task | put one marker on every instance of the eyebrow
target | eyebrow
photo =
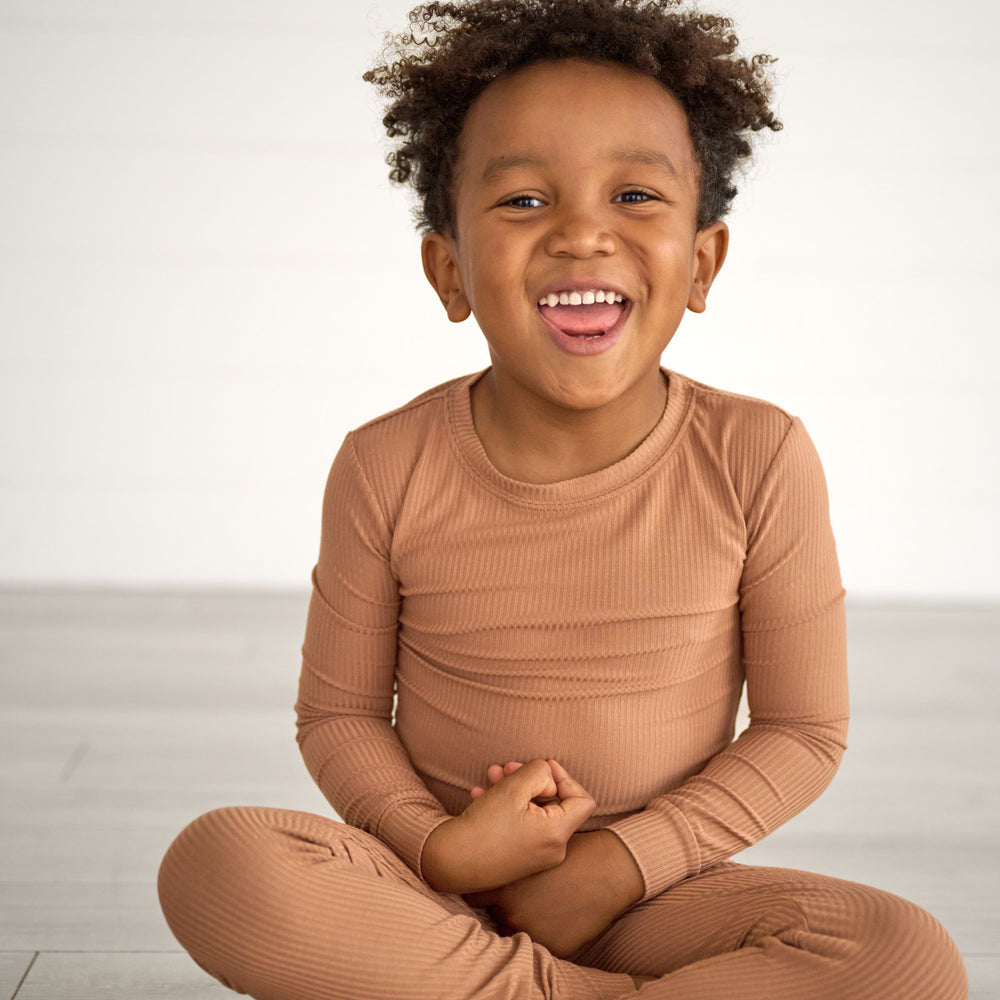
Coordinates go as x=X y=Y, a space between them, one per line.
x=647 y=157
x=500 y=165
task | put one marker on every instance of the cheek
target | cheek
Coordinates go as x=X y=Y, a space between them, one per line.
x=493 y=278
x=670 y=271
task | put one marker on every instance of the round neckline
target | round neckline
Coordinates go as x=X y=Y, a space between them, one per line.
x=581 y=489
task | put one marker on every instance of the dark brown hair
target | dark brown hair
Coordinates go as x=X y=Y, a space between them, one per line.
x=431 y=75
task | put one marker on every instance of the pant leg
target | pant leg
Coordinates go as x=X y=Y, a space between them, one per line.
x=756 y=933
x=291 y=906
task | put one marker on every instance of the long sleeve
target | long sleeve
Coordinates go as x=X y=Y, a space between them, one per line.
x=347 y=684
x=794 y=657
x=460 y=618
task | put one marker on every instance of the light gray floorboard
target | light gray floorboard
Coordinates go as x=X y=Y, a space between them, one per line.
x=984 y=977
x=123 y=716
x=87 y=916
x=13 y=966
x=117 y=976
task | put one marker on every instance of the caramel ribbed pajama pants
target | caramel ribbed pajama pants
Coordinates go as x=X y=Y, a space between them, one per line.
x=292 y=906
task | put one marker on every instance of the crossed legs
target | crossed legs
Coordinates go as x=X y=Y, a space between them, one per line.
x=740 y=931
x=291 y=906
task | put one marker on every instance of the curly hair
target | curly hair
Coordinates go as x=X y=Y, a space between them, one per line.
x=432 y=74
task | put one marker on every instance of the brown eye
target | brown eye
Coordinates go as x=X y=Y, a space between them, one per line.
x=634 y=197
x=524 y=201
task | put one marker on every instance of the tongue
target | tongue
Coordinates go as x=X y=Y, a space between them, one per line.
x=577 y=320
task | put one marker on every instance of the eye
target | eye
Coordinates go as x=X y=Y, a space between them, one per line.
x=634 y=197
x=523 y=201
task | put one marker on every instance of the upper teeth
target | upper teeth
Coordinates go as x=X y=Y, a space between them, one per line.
x=587 y=298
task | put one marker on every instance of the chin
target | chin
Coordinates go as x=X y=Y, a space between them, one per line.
x=583 y=397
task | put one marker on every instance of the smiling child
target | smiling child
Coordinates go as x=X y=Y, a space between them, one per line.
x=542 y=587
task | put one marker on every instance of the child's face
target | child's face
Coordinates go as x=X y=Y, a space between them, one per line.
x=575 y=177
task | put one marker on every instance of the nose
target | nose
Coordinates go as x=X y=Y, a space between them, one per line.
x=579 y=231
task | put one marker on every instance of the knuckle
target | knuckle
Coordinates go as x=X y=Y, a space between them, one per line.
x=559 y=854
x=555 y=844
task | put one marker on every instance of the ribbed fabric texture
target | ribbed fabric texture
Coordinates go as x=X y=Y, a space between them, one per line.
x=607 y=621
x=459 y=618
x=289 y=906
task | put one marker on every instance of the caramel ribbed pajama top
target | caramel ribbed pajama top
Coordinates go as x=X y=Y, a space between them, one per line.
x=460 y=618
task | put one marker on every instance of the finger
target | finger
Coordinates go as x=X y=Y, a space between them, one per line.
x=477 y=791
x=558 y=771
x=568 y=815
x=496 y=773
x=575 y=802
x=568 y=787
x=531 y=781
x=511 y=766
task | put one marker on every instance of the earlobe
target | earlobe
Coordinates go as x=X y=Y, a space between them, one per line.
x=711 y=245
x=441 y=268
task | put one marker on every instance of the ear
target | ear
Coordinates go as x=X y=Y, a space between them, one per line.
x=710 y=246
x=440 y=256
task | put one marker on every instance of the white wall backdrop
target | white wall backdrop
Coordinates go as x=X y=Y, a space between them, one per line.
x=205 y=281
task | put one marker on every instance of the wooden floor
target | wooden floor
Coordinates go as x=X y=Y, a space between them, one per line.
x=124 y=716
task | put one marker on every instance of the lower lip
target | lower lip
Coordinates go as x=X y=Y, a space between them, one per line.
x=586 y=346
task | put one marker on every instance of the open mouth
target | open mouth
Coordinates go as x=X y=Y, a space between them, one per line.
x=587 y=315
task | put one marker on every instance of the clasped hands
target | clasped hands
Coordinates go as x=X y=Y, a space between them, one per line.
x=516 y=851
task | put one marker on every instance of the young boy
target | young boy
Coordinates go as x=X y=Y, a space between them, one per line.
x=541 y=588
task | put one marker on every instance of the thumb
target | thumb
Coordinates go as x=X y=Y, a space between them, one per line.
x=574 y=801
x=533 y=780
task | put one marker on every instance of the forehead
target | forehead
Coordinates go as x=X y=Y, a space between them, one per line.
x=571 y=109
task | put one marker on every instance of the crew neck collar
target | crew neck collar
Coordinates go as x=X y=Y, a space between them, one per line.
x=581 y=489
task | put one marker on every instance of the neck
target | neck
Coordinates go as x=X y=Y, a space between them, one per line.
x=534 y=441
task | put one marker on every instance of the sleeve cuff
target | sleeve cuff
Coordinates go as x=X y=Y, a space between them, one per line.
x=663 y=846
x=406 y=827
